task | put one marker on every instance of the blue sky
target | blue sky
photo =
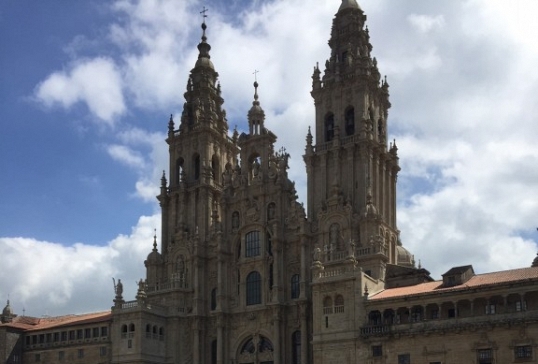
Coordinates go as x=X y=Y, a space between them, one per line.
x=86 y=89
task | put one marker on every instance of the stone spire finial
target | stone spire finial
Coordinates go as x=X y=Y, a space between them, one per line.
x=155 y=240
x=349 y=4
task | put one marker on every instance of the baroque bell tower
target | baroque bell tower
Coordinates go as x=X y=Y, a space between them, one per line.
x=351 y=171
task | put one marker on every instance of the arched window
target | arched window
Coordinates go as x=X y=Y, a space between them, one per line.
x=254 y=289
x=329 y=127
x=196 y=165
x=265 y=345
x=161 y=333
x=123 y=328
x=179 y=169
x=327 y=305
x=252 y=244
x=215 y=170
x=296 y=347
x=148 y=331
x=154 y=330
x=131 y=328
x=339 y=304
x=271 y=211
x=214 y=352
x=295 y=286
x=374 y=318
x=213 y=299
x=248 y=347
x=350 y=121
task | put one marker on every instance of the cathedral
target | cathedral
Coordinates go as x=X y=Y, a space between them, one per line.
x=244 y=274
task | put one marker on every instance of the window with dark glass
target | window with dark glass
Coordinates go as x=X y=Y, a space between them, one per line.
x=254 y=292
x=296 y=347
x=523 y=352
x=404 y=359
x=95 y=332
x=485 y=356
x=213 y=299
x=61 y=355
x=104 y=331
x=295 y=286
x=350 y=121
x=377 y=350
x=102 y=351
x=196 y=162
x=80 y=334
x=252 y=244
x=80 y=353
x=87 y=333
x=329 y=127
x=56 y=337
x=214 y=352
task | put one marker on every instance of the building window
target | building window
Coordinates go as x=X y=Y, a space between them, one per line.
x=38 y=357
x=377 y=350
x=95 y=332
x=213 y=299
x=196 y=162
x=327 y=305
x=104 y=331
x=485 y=356
x=61 y=355
x=87 y=333
x=254 y=292
x=252 y=244
x=490 y=309
x=56 y=337
x=451 y=312
x=295 y=286
x=404 y=359
x=329 y=127
x=339 y=304
x=296 y=347
x=350 y=121
x=80 y=353
x=214 y=352
x=434 y=315
x=80 y=334
x=129 y=344
x=102 y=351
x=523 y=352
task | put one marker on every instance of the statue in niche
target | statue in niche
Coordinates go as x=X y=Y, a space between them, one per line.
x=271 y=210
x=334 y=237
x=256 y=168
x=235 y=220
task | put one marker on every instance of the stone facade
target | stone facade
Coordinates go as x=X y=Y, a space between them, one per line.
x=244 y=274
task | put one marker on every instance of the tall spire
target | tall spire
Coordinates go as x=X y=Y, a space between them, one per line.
x=256 y=115
x=203 y=46
x=349 y=4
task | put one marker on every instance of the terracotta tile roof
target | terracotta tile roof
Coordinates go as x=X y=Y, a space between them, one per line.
x=27 y=323
x=479 y=280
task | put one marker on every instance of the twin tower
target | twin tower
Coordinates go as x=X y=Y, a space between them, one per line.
x=243 y=273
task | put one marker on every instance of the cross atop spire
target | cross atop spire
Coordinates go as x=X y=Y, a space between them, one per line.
x=203 y=12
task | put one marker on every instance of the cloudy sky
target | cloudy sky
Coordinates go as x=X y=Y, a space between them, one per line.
x=86 y=89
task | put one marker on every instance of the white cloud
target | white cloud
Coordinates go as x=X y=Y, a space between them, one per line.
x=125 y=155
x=96 y=82
x=58 y=279
x=426 y=23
